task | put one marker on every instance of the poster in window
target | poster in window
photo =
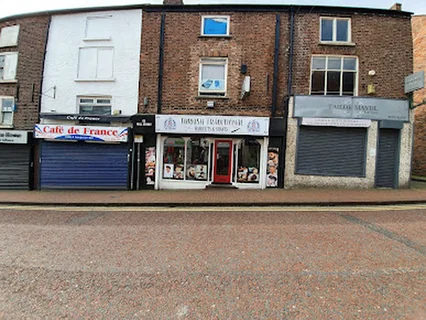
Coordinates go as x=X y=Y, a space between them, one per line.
x=178 y=172
x=272 y=168
x=168 y=170
x=150 y=165
x=201 y=172
x=190 y=172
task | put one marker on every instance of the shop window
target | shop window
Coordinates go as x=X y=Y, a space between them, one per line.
x=334 y=75
x=7 y=106
x=9 y=36
x=197 y=158
x=214 y=26
x=272 y=168
x=98 y=28
x=96 y=63
x=335 y=30
x=94 y=105
x=213 y=74
x=174 y=158
x=248 y=161
x=8 y=63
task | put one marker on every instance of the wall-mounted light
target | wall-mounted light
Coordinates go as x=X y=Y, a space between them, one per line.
x=370 y=88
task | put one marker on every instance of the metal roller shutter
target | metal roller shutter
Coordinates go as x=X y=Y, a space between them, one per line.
x=331 y=151
x=83 y=166
x=14 y=166
x=387 y=158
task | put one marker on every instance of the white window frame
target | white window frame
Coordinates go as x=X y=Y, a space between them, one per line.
x=9 y=57
x=341 y=72
x=334 y=31
x=11 y=111
x=96 y=78
x=9 y=36
x=213 y=61
x=203 y=18
x=95 y=103
x=92 y=18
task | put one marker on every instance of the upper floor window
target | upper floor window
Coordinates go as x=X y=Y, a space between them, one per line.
x=8 y=63
x=96 y=63
x=335 y=30
x=9 y=36
x=334 y=75
x=215 y=26
x=7 y=106
x=98 y=28
x=213 y=73
x=94 y=105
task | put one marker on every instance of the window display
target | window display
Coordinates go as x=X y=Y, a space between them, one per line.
x=150 y=165
x=197 y=157
x=248 y=161
x=174 y=153
x=272 y=168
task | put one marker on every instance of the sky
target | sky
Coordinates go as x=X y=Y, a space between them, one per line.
x=24 y=6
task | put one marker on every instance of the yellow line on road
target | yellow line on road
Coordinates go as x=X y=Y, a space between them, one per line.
x=217 y=209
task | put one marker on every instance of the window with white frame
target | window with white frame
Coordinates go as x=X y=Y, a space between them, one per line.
x=95 y=105
x=9 y=36
x=335 y=30
x=8 y=63
x=7 y=107
x=213 y=73
x=95 y=63
x=215 y=26
x=334 y=75
x=98 y=28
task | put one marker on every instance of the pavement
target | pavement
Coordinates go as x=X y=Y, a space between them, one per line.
x=219 y=197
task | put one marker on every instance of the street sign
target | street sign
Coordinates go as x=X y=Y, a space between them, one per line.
x=414 y=81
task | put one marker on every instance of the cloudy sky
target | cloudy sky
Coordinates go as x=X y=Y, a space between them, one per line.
x=24 y=6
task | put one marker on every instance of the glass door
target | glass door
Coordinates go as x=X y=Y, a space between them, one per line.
x=223 y=158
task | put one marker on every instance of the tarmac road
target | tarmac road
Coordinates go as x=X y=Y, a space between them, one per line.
x=213 y=263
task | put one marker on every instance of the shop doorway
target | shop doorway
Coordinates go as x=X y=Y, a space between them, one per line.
x=223 y=161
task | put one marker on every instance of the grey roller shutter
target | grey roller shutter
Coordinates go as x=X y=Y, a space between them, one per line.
x=387 y=158
x=14 y=166
x=330 y=151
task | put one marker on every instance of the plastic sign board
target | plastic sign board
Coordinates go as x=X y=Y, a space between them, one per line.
x=62 y=132
x=414 y=82
x=13 y=136
x=335 y=122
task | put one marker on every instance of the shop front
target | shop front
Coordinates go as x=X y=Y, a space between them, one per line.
x=83 y=157
x=198 y=151
x=15 y=160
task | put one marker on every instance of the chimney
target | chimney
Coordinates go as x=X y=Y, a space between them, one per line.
x=173 y=2
x=396 y=7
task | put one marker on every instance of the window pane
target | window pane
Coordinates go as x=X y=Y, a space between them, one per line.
x=215 y=26
x=248 y=161
x=103 y=101
x=84 y=100
x=334 y=63
x=326 y=30
x=8 y=118
x=333 y=83
x=349 y=63
x=318 y=82
x=349 y=83
x=213 y=77
x=197 y=157
x=174 y=158
x=7 y=105
x=86 y=109
x=342 y=30
x=318 y=63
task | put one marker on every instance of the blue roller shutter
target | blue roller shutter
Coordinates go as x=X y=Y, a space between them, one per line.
x=14 y=166
x=83 y=166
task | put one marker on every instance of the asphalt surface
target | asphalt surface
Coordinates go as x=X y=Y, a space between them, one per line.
x=213 y=263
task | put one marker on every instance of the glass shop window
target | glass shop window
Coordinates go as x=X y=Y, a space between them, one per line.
x=248 y=161
x=197 y=158
x=174 y=158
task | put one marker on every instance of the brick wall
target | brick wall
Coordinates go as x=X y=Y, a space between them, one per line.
x=252 y=43
x=31 y=44
x=419 y=40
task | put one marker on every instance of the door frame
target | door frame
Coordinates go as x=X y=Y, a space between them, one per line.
x=228 y=177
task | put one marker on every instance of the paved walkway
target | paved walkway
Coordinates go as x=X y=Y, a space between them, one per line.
x=215 y=197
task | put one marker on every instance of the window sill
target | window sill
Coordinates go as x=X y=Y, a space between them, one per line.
x=97 y=39
x=95 y=80
x=11 y=126
x=9 y=81
x=341 y=44
x=202 y=36
x=211 y=97
x=8 y=45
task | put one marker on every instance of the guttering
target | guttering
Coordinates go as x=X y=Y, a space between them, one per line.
x=160 y=65
x=276 y=59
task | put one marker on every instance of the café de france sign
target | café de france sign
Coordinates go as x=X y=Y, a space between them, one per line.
x=218 y=125
x=351 y=108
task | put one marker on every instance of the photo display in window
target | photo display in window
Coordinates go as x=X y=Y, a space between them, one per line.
x=174 y=155
x=248 y=161
x=150 y=165
x=197 y=154
x=272 y=168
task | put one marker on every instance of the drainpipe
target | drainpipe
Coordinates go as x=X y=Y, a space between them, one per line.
x=276 y=57
x=160 y=65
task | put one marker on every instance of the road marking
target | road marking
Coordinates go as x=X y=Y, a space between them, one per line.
x=218 y=209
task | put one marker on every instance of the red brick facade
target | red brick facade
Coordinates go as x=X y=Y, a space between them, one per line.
x=419 y=40
x=30 y=48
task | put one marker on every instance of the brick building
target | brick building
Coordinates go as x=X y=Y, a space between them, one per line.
x=419 y=152
x=22 y=43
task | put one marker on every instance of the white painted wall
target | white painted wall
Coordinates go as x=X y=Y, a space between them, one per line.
x=66 y=36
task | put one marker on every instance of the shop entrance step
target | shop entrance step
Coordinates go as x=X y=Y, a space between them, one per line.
x=221 y=186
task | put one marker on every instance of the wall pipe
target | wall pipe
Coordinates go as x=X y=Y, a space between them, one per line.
x=276 y=58
x=160 y=65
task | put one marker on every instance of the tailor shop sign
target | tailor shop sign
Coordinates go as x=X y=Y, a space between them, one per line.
x=86 y=133
x=217 y=125
x=13 y=136
x=351 y=108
